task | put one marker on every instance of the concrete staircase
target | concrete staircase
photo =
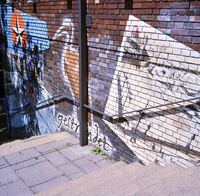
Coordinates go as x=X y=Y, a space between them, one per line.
x=133 y=179
x=28 y=166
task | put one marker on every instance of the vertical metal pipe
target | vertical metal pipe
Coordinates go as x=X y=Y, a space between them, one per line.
x=83 y=71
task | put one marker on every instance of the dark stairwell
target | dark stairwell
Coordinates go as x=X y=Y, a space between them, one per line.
x=4 y=132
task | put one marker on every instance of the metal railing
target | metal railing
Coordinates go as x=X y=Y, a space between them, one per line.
x=60 y=98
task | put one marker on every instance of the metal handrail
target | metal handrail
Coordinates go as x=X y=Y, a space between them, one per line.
x=56 y=100
x=110 y=118
x=141 y=112
x=44 y=104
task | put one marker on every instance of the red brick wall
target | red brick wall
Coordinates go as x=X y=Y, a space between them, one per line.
x=174 y=28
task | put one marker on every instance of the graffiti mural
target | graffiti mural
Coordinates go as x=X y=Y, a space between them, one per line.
x=69 y=57
x=27 y=44
x=154 y=69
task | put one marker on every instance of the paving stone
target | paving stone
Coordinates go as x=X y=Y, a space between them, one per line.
x=49 y=184
x=72 y=139
x=38 y=173
x=30 y=175
x=14 y=158
x=56 y=158
x=22 y=156
x=71 y=154
x=104 y=163
x=3 y=162
x=76 y=175
x=81 y=162
x=39 y=168
x=82 y=150
x=89 y=168
x=7 y=175
x=69 y=169
x=52 y=146
x=45 y=148
x=30 y=153
x=28 y=163
x=93 y=157
x=17 y=188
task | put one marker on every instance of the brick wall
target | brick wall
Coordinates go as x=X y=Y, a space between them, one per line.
x=140 y=57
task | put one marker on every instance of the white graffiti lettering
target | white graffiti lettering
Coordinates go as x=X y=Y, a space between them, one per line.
x=94 y=136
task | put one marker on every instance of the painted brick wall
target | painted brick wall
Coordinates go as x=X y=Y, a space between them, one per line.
x=139 y=58
x=151 y=54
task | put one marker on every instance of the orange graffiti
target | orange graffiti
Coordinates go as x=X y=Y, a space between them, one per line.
x=19 y=36
x=71 y=70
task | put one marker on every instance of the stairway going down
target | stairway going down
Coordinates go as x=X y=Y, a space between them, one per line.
x=55 y=164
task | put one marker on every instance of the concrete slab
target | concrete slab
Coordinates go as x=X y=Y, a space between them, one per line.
x=17 y=188
x=19 y=145
x=22 y=156
x=56 y=158
x=104 y=163
x=39 y=163
x=7 y=175
x=28 y=163
x=82 y=162
x=69 y=169
x=71 y=154
x=51 y=183
x=90 y=167
x=3 y=162
x=39 y=173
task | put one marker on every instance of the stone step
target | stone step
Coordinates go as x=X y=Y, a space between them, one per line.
x=135 y=182
x=116 y=180
x=19 y=145
x=182 y=182
x=129 y=173
x=99 y=176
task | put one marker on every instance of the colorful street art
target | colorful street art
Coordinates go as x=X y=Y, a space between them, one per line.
x=69 y=59
x=154 y=69
x=68 y=120
x=28 y=42
x=148 y=70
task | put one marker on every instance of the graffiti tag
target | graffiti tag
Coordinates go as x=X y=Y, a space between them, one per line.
x=70 y=123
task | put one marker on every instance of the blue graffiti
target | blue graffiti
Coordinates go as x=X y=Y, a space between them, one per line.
x=27 y=44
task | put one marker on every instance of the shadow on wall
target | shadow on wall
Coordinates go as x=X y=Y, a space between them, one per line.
x=150 y=73
x=120 y=149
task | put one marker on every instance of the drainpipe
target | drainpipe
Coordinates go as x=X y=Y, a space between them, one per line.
x=83 y=72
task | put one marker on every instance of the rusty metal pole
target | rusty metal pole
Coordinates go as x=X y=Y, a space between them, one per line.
x=83 y=71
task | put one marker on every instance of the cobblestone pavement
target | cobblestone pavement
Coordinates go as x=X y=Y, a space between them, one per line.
x=37 y=167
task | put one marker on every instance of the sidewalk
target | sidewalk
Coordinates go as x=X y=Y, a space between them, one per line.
x=39 y=163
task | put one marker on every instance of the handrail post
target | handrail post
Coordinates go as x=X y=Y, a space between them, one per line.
x=83 y=72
